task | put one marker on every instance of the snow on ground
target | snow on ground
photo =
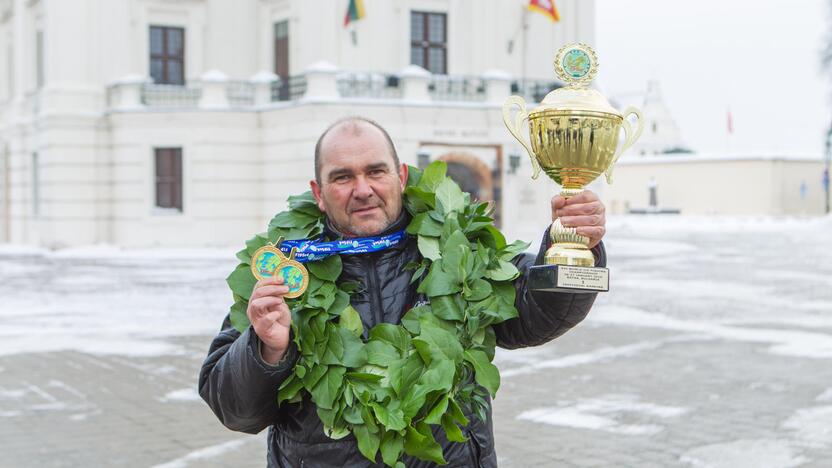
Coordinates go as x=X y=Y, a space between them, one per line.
x=744 y=454
x=604 y=413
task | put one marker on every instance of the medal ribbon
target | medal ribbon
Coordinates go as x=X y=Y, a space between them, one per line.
x=312 y=250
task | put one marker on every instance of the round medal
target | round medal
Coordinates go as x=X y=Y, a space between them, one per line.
x=294 y=275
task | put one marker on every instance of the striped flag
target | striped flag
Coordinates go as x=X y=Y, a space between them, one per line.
x=545 y=7
x=355 y=11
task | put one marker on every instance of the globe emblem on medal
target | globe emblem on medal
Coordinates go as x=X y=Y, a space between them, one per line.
x=292 y=277
x=267 y=263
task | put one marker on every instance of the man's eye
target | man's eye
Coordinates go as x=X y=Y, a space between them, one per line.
x=377 y=172
x=341 y=178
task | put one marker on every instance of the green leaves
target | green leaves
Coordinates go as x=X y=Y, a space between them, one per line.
x=429 y=247
x=405 y=381
x=486 y=373
x=327 y=269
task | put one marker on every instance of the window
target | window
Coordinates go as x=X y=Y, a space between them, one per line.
x=169 y=178
x=281 y=57
x=428 y=41
x=167 y=55
x=39 y=71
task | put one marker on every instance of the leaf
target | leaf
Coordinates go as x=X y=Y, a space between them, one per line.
x=439 y=283
x=327 y=269
x=350 y=320
x=289 y=388
x=447 y=307
x=242 y=281
x=434 y=416
x=391 y=334
x=456 y=412
x=437 y=344
x=424 y=225
x=429 y=247
x=392 y=419
x=368 y=442
x=405 y=372
x=239 y=318
x=381 y=353
x=452 y=431
x=449 y=196
x=503 y=271
x=291 y=220
x=327 y=390
x=314 y=376
x=419 y=442
x=392 y=445
x=433 y=175
x=478 y=290
x=486 y=373
x=512 y=250
x=497 y=240
x=340 y=304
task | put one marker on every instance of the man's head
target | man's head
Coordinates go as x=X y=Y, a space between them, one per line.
x=358 y=178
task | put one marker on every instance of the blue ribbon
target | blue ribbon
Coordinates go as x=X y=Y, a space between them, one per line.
x=313 y=250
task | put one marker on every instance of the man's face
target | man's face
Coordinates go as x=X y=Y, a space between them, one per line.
x=361 y=188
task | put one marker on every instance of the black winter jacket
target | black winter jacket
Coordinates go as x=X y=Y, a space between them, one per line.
x=241 y=388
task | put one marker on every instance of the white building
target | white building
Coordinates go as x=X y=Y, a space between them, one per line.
x=145 y=122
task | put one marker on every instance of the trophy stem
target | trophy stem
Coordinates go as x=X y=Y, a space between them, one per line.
x=570 y=192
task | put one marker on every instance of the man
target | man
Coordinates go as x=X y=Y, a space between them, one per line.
x=358 y=185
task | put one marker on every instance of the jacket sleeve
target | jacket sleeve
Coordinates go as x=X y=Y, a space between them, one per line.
x=238 y=385
x=544 y=316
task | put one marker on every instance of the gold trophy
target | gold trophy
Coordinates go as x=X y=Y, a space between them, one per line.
x=574 y=136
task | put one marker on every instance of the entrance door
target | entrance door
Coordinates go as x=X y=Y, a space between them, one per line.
x=281 y=57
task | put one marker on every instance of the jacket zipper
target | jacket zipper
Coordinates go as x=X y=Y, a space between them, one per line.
x=375 y=293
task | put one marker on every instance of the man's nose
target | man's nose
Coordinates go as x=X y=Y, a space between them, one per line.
x=363 y=189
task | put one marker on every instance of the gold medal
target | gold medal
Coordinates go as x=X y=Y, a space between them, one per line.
x=268 y=261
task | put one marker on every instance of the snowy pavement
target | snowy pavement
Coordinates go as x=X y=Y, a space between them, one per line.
x=713 y=348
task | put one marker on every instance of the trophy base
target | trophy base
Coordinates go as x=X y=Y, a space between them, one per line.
x=571 y=279
x=569 y=253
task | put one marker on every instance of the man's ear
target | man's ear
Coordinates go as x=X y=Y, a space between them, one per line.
x=403 y=175
x=316 y=192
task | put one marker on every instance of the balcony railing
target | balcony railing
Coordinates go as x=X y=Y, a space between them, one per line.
x=215 y=91
x=456 y=88
x=170 y=96
x=289 y=90
x=368 y=85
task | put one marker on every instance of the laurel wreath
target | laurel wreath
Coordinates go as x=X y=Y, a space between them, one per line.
x=389 y=388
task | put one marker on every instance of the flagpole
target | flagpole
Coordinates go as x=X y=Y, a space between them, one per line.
x=525 y=35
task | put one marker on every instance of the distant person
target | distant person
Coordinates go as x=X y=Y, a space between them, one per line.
x=358 y=185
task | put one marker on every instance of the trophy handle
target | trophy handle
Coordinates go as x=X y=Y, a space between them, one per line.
x=514 y=124
x=630 y=137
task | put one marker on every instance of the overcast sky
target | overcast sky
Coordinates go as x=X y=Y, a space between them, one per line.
x=760 y=58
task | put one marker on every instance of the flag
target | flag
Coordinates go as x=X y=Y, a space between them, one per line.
x=730 y=123
x=355 y=11
x=546 y=7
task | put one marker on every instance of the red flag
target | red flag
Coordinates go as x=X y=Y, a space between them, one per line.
x=545 y=7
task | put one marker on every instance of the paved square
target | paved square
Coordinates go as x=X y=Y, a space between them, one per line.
x=712 y=349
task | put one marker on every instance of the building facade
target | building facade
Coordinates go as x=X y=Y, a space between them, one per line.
x=189 y=122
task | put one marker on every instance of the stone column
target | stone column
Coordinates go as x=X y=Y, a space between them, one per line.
x=126 y=92
x=497 y=86
x=214 y=95
x=263 y=82
x=320 y=82
x=415 y=80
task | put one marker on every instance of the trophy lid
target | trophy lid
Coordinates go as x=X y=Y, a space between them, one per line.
x=576 y=65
